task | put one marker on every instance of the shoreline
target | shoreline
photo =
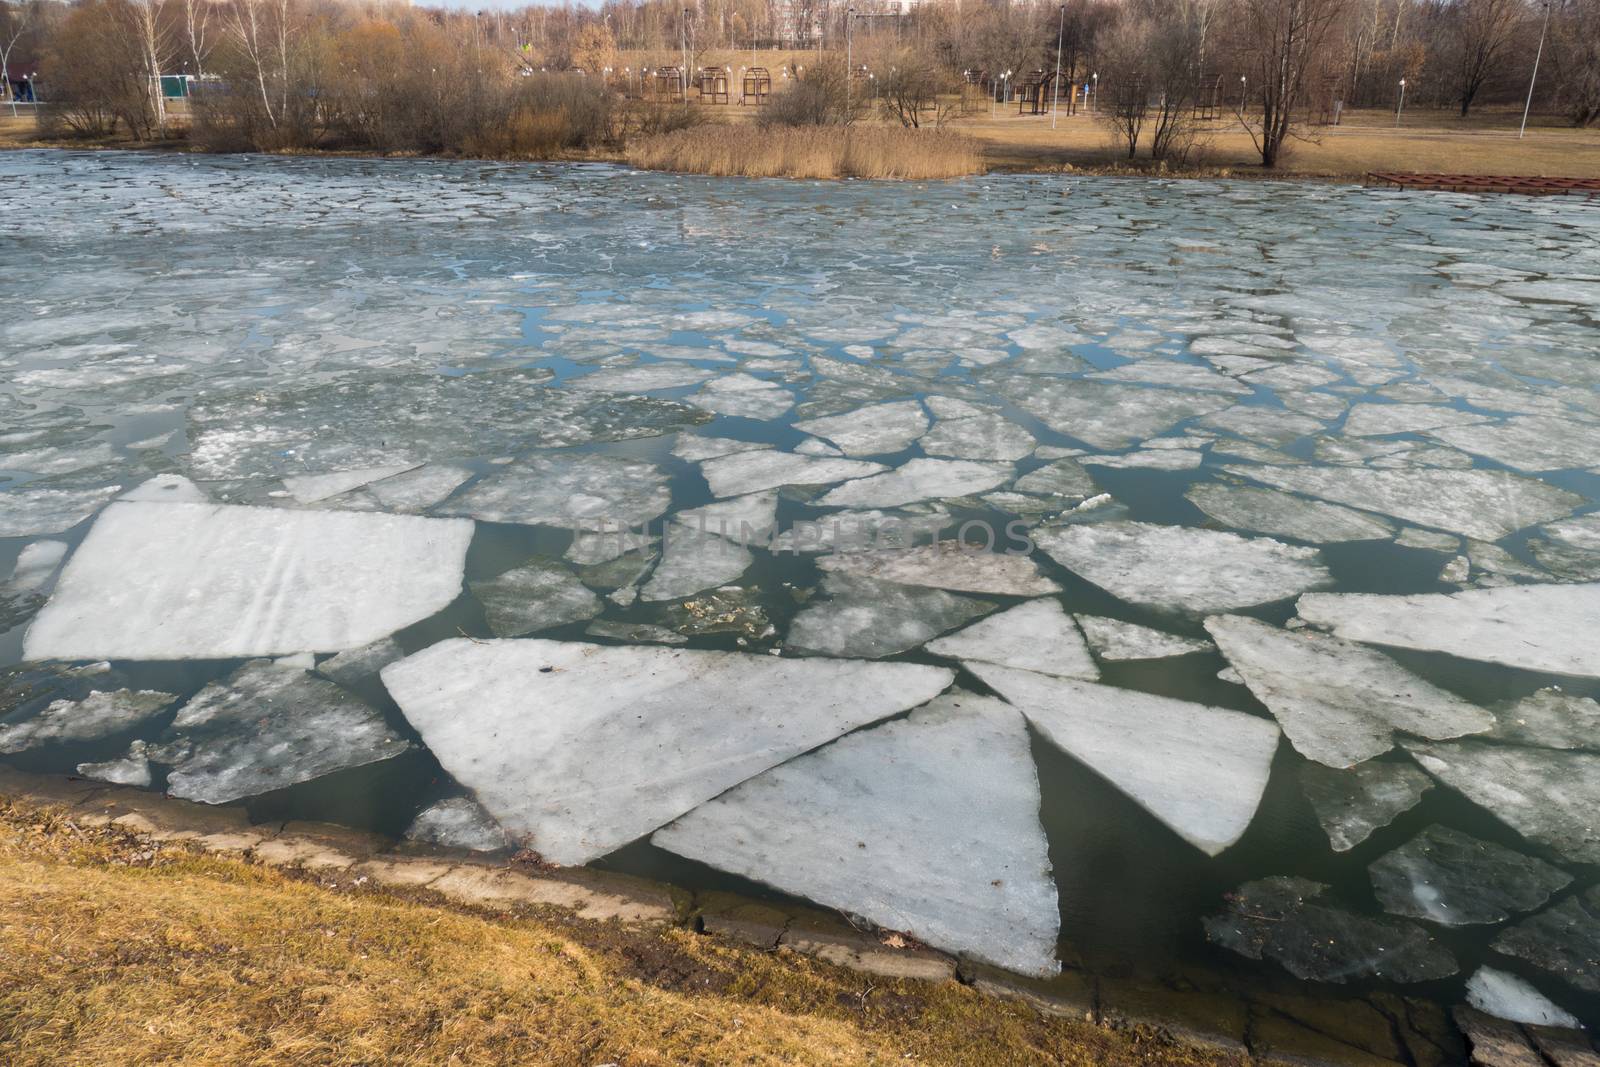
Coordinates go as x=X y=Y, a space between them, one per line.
x=750 y=947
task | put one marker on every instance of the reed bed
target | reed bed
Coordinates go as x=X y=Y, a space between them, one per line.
x=811 y=152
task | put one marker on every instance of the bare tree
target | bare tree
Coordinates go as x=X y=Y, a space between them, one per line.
x=247 y=27
x=196 y=24
x=1282 y=44
x=911 y=87
x=1480 y=32
x=1575 y=59
x=150 y=33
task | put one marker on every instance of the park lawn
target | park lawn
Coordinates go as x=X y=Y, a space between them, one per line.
x=118 y=950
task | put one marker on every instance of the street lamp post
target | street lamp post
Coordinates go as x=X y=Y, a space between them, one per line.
x=1401 y=106
x=1241 y=96
x=1094 y=101
x=849 y=57
x=1536 y=57
x=1061 y=29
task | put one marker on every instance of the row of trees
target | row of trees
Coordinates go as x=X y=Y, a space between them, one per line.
x=287 y=73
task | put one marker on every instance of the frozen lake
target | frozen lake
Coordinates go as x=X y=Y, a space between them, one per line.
x=1272 y=648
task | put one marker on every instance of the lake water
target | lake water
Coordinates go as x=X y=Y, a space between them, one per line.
x=1164 y=402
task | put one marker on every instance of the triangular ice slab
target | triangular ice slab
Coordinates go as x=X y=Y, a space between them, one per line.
x=928 y=824
x=1536 y=627
x=577 y=749
x=1338 y=702
x=310 y=488
x=1201 y=770
x=1036 y=636
x=1117 y=639
x=203 y=581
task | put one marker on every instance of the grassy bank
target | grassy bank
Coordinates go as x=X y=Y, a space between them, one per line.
x=810 y=152
x=118 y=950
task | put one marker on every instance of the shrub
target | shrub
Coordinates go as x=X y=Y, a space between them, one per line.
x=817 y=152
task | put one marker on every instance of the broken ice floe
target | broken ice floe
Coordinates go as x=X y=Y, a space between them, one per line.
x=635 y=632
x=578 y=749
x=413 y=491
x=98 y=714
x=1454 y=879
x=1200 y=770
x=1106 y=415
x=983 y=436
x=133 y=768
x=744 y=520
x=1284 y=515
x=751 y=472
x=198 y=581
x=744 y=395
x=1035 y=636
x=918 y=479
x=1550 y=719
x=384 y=419
x=266 y=727
x=1547 y=796
x=1570 y=548
x=167 y=489
x=1529 y=442
x=874 y=430
x=354 y=664
x=1339 y=703
x=1484 y=504
x=1353 y=803
x=1505 y=996
x=692 y=561
x=1535 y=627
x=1115 y=639
x=1159 y=459
x=1178 y=568
x=946 y=565
x=860 y=531
x=537 y=595
x=732 y=609
x=1563 y=940
x=574 y=491
x=458 y=823
x=861 y=617
x=1286 y=919
x=1064 y=477
x=927 y=825
x=28 y=512
x=694 y=448
x=310 y=488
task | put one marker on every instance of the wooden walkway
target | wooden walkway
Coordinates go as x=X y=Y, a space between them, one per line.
x=1486 y=183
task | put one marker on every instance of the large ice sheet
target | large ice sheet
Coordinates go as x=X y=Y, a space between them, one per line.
x=199 y=581
x=1284 y=515
x=1529 y=442
x=577 y=749
x=1339 y=703
x=1035 y=636
x=1484 y=504
x=1563 y=940
x=692 y=561
x=927 y=825
x=1183 y=569
x=268 y=726
x=1107 y=415
x=1547 y=796
x=1535 y=627
x=1200 y=770
x=575 y=491
x=945 y=565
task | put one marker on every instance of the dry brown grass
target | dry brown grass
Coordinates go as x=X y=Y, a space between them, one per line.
x=811 y=152
x=114 y=950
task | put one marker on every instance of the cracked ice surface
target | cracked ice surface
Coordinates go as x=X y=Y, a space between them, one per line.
x=196 y=581
x=577 y=749
x=927 y=825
